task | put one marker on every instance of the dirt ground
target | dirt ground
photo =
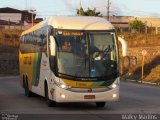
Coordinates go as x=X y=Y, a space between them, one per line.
x=9 y=63
x=9 y=55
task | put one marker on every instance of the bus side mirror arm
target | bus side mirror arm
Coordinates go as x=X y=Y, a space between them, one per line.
x=124 y=46
x=52 y=46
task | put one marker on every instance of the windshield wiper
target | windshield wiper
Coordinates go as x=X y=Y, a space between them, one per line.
x=67 y=76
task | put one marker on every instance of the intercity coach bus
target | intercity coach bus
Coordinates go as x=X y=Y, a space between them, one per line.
x=70 y=59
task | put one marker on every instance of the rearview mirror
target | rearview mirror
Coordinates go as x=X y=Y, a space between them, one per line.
x=124 y=46
x=52 y=46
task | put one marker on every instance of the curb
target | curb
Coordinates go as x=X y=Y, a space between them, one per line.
x=142 y=82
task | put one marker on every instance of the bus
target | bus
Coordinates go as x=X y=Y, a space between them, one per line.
x=70 y=59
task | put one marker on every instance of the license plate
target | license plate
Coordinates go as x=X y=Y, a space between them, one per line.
x=89 y=97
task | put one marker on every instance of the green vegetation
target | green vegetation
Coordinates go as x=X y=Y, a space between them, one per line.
x=137 y=26
x=88 y=12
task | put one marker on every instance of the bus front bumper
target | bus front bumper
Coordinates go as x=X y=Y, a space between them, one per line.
x=63 y=95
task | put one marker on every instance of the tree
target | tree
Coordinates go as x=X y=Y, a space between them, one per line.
x=80 y=11
x=137 y=25
x=88 y=12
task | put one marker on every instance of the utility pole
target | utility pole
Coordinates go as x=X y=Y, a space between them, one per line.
x=26 y=5
x=32 y=12
x=108 y=10
x=32 y=20
x=80 y=7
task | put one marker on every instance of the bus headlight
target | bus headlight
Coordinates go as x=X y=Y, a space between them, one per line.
x=63 y=96
x=63 y=86
x=115 y=84
x=114 y=95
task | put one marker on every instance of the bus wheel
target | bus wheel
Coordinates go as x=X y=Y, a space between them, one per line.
x=26 y=88
x=100 y=104
x=50 y=103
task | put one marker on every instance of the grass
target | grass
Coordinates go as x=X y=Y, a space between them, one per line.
x=9 y=43
x=152 y=68
x=141 y=39
x=9 y=46
x=9 y=39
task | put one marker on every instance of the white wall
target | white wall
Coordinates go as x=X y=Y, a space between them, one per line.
x=13 y=17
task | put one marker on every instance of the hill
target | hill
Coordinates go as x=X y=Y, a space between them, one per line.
x=136 y=43
x=9 y=40
x=141 y=39
x=9 y=45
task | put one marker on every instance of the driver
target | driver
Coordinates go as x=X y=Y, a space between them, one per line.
x=66 y=46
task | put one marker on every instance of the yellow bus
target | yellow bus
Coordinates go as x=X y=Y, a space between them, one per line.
x=70 y=59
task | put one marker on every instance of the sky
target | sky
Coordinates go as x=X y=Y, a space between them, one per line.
x=46 y=8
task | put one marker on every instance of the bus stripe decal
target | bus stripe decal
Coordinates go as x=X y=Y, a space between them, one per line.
x=36 y=69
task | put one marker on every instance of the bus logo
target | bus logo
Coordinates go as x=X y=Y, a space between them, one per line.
x=90 y=90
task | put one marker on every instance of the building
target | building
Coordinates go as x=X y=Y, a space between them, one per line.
x=10 y=17
x=152 y=22
x=122 y=22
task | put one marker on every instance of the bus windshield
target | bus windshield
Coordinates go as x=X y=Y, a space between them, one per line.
x=87 y=54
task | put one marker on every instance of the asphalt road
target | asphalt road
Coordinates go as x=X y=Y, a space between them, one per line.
x=134 y=99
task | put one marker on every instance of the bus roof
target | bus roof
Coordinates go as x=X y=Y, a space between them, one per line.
x=73 y=23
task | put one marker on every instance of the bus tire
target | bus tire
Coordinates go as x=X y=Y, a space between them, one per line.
x=23 y=81
x=100 y=104
x=26 y=88
x=50 y=103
